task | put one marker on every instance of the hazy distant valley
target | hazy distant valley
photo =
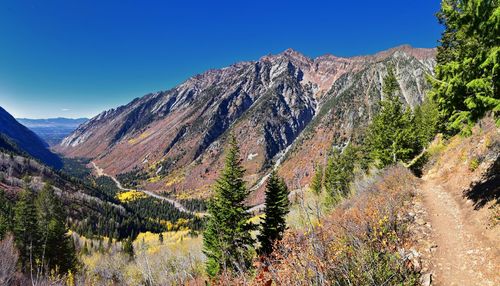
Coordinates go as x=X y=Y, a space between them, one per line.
x=52 y=130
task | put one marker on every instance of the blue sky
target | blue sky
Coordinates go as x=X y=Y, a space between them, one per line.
x=77 y=58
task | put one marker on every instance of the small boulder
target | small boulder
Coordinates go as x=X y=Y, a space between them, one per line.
x=426 y=279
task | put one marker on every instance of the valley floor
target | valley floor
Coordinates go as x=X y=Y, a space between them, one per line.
x=176 y=204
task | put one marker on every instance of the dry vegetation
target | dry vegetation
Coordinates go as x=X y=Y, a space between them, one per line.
x=364 y=241
x=175 y=261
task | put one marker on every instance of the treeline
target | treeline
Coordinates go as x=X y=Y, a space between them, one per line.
x=194 y=205
x=155 y=210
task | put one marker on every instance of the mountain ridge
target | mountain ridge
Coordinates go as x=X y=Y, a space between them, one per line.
x=177 y=136
x=27 y=140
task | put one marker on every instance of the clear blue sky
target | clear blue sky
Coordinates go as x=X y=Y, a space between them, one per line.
x=77 y=58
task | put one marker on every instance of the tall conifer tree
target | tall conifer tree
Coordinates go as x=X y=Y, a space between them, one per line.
x=276 y=209
x=467 y=74
x=390 y=136
x=56 y=246
x=228 y=244
x=26 y=229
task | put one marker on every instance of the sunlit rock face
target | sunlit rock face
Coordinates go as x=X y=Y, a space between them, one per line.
x=285 y=109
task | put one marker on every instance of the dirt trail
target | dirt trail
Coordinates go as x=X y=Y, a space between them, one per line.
x=465 y=255
x=100 y=172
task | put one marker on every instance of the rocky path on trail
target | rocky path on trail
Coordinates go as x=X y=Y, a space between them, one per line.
x=461 y=253
x=176 y=204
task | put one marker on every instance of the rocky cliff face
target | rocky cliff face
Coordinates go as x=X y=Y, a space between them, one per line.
x=284 y=108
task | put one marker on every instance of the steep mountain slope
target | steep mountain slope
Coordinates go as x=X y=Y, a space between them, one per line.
x=25 y=140
x=177 y=137
x=52 y=130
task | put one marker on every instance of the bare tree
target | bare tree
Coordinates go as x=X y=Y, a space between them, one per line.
x=8 y=260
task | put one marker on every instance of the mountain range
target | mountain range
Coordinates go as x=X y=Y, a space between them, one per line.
x=286 y=110
x=52 y=130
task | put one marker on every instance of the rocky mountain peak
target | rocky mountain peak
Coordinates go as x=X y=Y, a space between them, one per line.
x=178 y=136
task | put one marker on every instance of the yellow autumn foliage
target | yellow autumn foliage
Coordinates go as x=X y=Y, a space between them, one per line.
x=130 y=196
x=139 y=138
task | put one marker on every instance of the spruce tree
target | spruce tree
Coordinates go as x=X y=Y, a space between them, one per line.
x=467 y=74
x=26 y=229
x=277 y=207
x=390 y=136
x=56 y=246
x=228 y=244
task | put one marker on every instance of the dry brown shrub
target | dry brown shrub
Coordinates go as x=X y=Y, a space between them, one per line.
x=358 y=243
x=8 y=260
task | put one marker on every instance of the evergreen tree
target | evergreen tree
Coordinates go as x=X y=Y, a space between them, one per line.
x=128 y=247
x=85 y=249
x=277 y=207
x=227 y=240
x=339 y=173
x=55 y=244
x=26 y=229
x=5 y=214
x=390 y=136
x=390 y=84
x=317 y=180
x=425 y=122
x=467 y=73
x=160 y=237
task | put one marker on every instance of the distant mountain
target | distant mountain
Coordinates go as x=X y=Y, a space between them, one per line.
x=52 y=130
x=20 y=138
x=286 y=110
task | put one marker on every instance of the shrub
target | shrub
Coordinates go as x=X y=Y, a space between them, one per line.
x=473 y=164
x=359 y=243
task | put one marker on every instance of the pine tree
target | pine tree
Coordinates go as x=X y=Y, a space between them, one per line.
x=467 y=73
x=317 y=180
x=55 y=244
x=26 y=229
x=390 y=136
x=227 y=240
x=276 y=208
